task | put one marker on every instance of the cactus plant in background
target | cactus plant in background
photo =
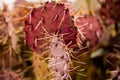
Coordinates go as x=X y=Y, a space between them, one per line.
x=8 y=75
x=91 y=28
x=110 y=11
x=8 y=44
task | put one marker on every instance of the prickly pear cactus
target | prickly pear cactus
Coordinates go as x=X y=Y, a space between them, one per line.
x=50 y=28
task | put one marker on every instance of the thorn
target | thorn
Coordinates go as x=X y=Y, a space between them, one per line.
x=28 y=14
x=25 y=70
x=45 y=38
x=45 y=31
x=82 y=48
x=77 y=11
x=64 y=34
x=52 y=60
x=36 y=42
x=82 y=74
x=116 y=45
x=79 y=42
x=45 y=52
x=30 y=27
x=62 y=19
x=65 y=67
x=30 y=18
x=69 y=35
x=81 y=70
x=70 y=77
x=55 y=18
x=79 y=62
x=110 y=63
x=83 y=54
x=81 y=16
x=83 y=25
x=38 y=39
x=74 y=57
x=117 y=51
x=69 y=43
x=74 y=68
x=81 y=34
x=57 y=63
x=31 y=4
x=88 y=43
x=98 y=35
x=39 y=23
x=54 y=6
x=45 y=59
x=45 y=44
x=91 y=26
x=49 y=74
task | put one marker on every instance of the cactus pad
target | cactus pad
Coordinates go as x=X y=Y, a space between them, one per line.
x=50 y=18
